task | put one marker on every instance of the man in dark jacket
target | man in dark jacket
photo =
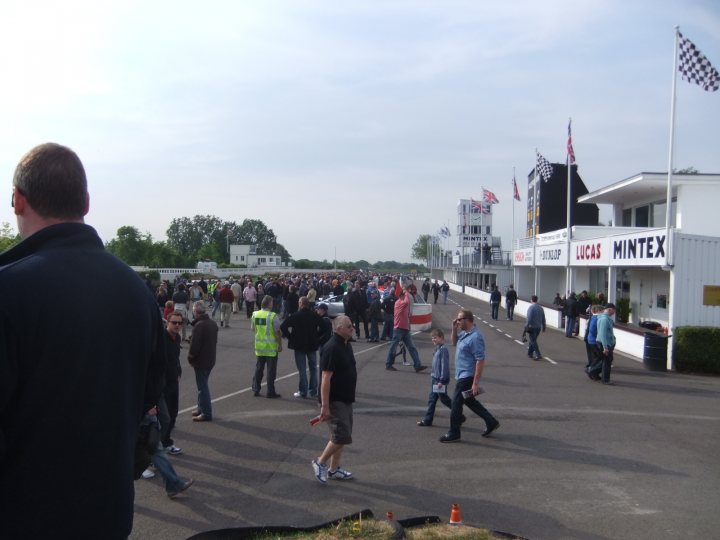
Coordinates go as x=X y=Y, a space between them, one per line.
x=169 y=402
x=201 y=357
x=357 y=309
x=510 y=302
x=495 y=298
x=302 y=330
x=64 y=374
x=571 y=313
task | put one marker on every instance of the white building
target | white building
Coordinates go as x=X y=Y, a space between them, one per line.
x=246 y=255
x=670 y=275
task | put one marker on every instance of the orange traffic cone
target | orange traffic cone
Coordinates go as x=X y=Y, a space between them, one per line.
x=455 y=517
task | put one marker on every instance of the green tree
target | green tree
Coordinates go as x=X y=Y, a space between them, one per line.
x=420 y=249
x=8 y=237
x=188 y=235
x=255 y=233
x=130 y=246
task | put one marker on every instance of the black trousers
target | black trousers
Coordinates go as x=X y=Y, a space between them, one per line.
x=170 y=401
x=271 y=363
x=456 y=413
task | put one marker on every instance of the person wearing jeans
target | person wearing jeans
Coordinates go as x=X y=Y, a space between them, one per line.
x=535 y=324
x=201 y=357
x=303 y=330
x=401 y=330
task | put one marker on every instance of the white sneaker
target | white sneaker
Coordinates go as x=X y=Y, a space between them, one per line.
x=321 y=471
x=147 y=474
x=298 y=395
x=340 y=474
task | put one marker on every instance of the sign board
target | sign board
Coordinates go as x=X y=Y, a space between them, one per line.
x=523 y=257
x=551 y=255
x=711 y=295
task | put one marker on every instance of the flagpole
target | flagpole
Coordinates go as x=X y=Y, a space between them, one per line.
x=482 y=229
x=534 y=226
x=568 y=279
x=512 y=238
x=668 y=208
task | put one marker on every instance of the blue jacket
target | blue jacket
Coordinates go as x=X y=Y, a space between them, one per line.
x=441 y=364
x=605 y=335
x=591 y=331
x=536 y=317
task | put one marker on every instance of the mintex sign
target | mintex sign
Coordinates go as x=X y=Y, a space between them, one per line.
x=636 y=249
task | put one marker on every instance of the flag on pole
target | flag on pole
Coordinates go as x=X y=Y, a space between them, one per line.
x=447 y=232
x=570 y=151
x=516 y=193
x=695 y=67
x=484 y=207
x=489 y=197
x=543 y=167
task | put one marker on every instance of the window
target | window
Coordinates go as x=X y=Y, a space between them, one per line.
x=627 y=217
x=642 y=216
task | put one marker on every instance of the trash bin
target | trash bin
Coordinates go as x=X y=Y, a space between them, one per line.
x=655 y=352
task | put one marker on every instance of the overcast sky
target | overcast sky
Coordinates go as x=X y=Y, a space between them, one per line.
x=346 y=127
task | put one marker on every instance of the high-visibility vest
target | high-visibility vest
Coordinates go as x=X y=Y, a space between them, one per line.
x=265 y=340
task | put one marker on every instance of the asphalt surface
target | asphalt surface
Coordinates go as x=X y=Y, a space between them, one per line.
x=572 y=458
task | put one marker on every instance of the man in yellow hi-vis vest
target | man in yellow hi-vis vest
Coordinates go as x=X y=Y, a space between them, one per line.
x=268 y=344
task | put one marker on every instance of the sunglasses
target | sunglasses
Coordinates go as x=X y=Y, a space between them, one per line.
x=175 y=322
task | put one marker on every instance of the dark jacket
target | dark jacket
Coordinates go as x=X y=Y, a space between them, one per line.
x=571 y=307
x=173 y=370
x=358 y=302
x=203 y=344
x=79 y=371
x=511 y=297
x=495 y=296
x=303 y=330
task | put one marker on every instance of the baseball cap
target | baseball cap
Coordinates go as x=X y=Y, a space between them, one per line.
x=610 y=305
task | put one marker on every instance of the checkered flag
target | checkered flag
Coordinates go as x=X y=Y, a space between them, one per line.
x=695 y=68
x=543 y=167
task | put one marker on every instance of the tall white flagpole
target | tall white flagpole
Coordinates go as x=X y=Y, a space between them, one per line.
x=534 y=222
x=512 y=239
x=568 y=279
x=668 y=209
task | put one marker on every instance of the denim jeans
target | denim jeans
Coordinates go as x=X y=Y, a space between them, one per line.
x=374 y=329
x=305 y=361
x=400 y=334
x=445 y=295
x=387 y=331
x=495 y=308
x=204 y=404
x=510 y=311
x=472 y=403
x=172 y=481
x=432 y=401
x=569 y=326
x=533 y=348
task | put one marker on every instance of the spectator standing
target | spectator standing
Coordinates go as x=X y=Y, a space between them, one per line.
x=181 y=303
x=268 y=344
x=250 y=297
x=388 y=307
x=302 y=330
x=66 y=374
x=511 y=299
x=606 y=340
x=226 y=298
x=201 y=356
x=435 y=290
x=445 y=291
x=170 y=400
x=495 y=298
x=235 y=288
x=571 y=313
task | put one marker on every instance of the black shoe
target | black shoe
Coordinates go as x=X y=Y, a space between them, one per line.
x=423 y=423
x=463 y=419
x=256 y=393
x=490 y=429
x=447 y=438
x=419 y=369
x=391 y=368
x=273 y=396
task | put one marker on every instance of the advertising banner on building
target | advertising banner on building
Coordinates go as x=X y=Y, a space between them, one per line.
x=523 y=257
x=552 y=255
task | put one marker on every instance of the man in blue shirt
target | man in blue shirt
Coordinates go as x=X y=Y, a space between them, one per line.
x=535 y=324
x=469 y=364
